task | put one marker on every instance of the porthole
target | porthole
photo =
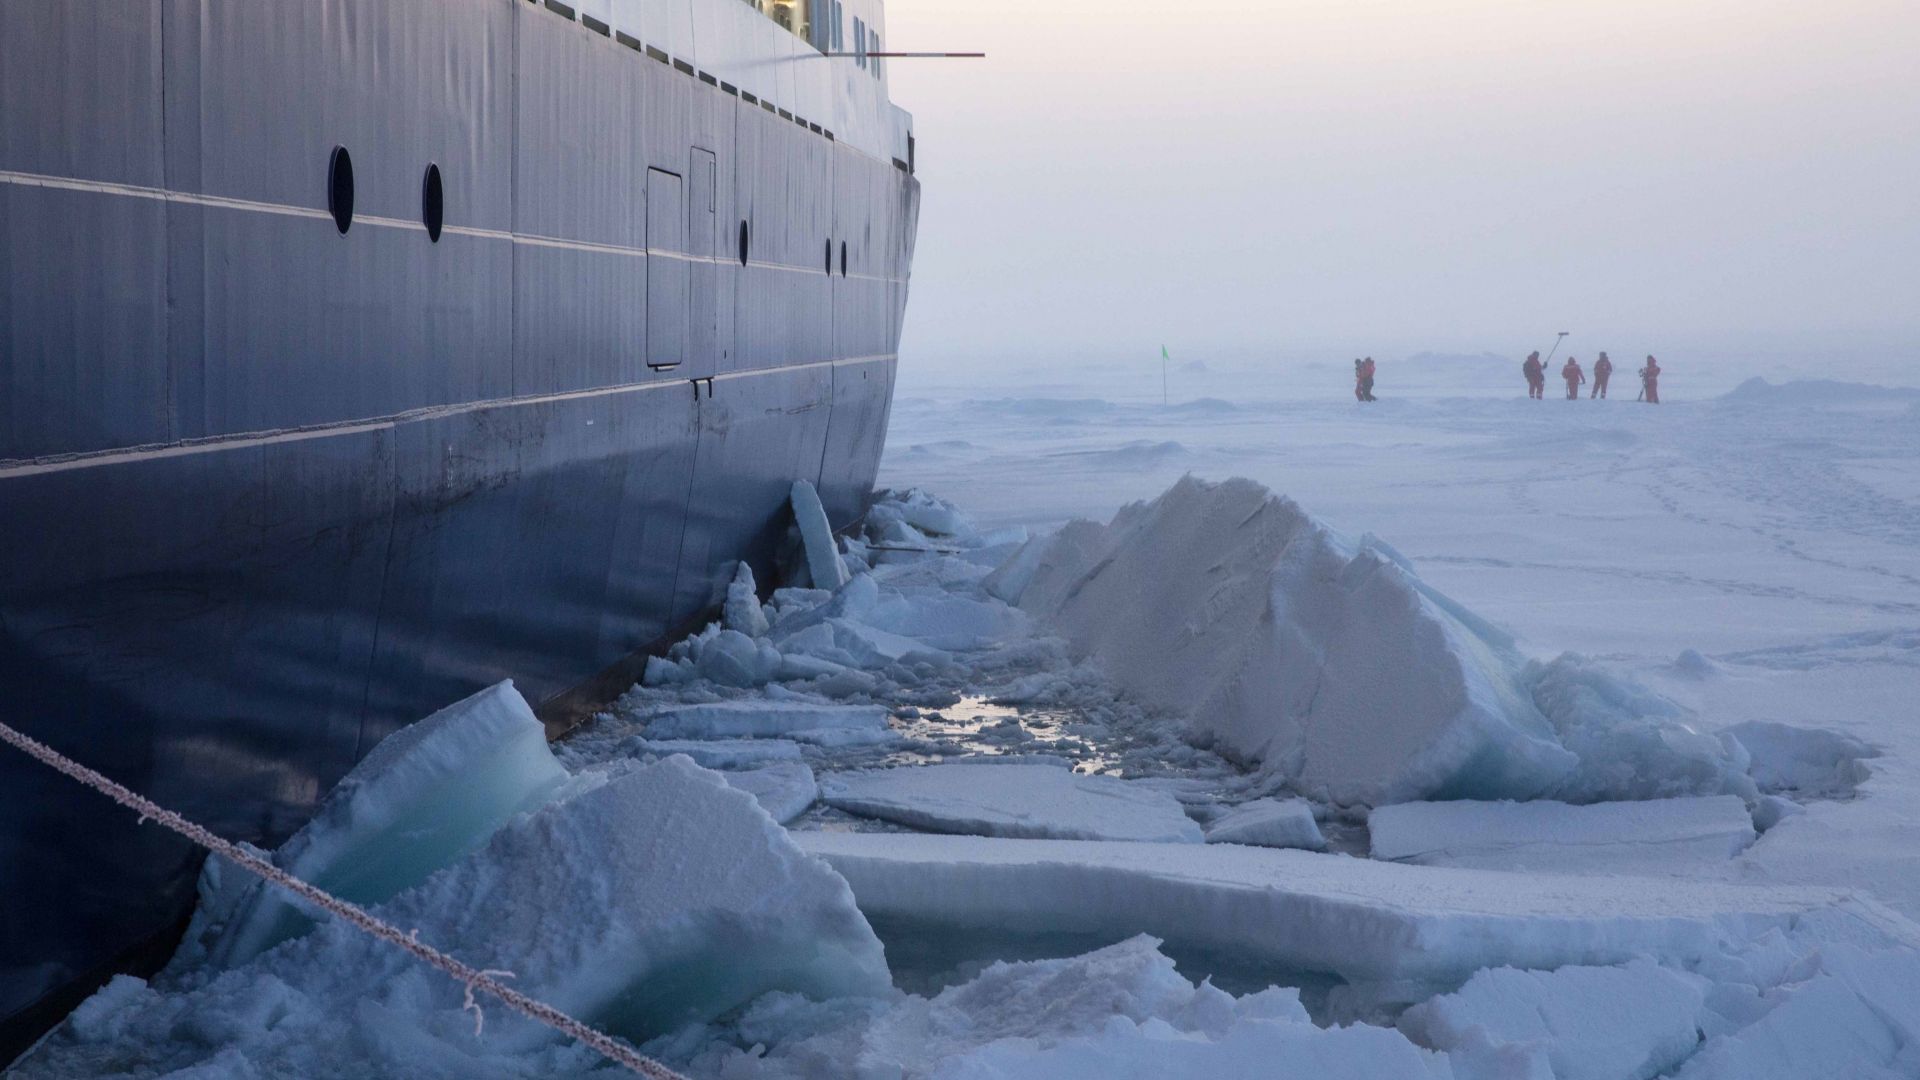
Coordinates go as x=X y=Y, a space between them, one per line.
x=843 y=258
x=829 y=256
x=743 y=242
x=340 y=189
x=433 y=203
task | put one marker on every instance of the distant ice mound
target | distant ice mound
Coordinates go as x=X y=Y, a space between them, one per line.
x=1329 y=661
x=1758 y=391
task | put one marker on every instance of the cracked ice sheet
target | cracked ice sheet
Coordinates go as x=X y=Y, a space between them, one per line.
x=1355 y=918
x=1024 y=800
x=1658 y=836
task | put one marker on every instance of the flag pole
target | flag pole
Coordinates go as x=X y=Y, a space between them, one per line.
x=1163 y=375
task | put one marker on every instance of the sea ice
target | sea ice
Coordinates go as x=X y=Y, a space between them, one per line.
x=760 y=718
x=426 y=796
x=1268 y=823
x=1655 y=836
x=742 y=611
x=823 y=557
x=720 y=754
x=1355 y=918
x=784 y=789
x=1121 y=1011
x=1857 y=1018
x=654 y=896
x=1630 y=1022
x=1024 y=800
x=1805 y=761
x=1330 y=661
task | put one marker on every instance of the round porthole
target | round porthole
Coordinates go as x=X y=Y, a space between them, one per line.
x=843 y=258
x=829 y=257
x=743 y=242
x=433 y=203
x=340 y=189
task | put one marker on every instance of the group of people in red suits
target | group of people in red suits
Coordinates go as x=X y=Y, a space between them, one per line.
x=1574 y=375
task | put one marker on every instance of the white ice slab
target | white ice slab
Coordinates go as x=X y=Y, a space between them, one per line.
x=1303 y=911
x=784 y=790
x=759 y=718
x=1029 y=801
x=1269 y=823
x=1656 y=836
x=823 y=557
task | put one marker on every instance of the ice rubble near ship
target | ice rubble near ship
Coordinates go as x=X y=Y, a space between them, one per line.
x=670 y=907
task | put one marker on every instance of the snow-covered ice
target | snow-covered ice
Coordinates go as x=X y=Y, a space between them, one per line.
x=1268 y=823
x=1026 y=800
x=1648 y=837
x=1330 y=661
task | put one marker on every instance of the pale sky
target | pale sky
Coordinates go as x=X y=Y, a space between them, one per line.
x=1366 y=175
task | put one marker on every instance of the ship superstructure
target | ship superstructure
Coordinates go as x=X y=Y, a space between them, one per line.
x=355 y=354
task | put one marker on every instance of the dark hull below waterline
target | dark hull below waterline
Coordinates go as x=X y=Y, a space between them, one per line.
x=269 y=491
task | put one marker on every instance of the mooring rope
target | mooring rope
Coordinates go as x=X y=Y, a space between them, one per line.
x=472 y=978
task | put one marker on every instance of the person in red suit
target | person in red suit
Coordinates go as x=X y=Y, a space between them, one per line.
x=1602 y=371
x=1650 y=380
x=1536 y=376
x=1574 y=376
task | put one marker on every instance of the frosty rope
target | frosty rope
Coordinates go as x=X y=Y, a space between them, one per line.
x=472 y=978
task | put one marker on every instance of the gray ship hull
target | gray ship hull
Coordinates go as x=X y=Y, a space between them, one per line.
x=270 y=489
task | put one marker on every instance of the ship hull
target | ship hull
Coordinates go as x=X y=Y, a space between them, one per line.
x=269 y=490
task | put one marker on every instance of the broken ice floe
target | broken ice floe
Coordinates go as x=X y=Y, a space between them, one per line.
x=1630 y=1022
x=784 y=789
x=1354 y=918
x=425 y=796
x=1331 y=662
x=758 y=719
x=1021 y=800
x=1268 y=823
x=1651 y=837
x=649 y=897
x=1117 y=1012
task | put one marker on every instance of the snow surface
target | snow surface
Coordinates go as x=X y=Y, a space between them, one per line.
x=1653 y=836
x=1025 y=800
x=1268 y=823
x=1355 y=918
